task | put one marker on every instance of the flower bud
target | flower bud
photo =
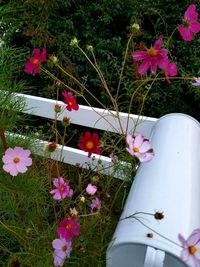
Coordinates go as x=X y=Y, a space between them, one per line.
x=135 y=27
x=90 y=48
x=159 y=215
x=53 y=59
x=66 y=121
x=57 y=108
x=74 y=42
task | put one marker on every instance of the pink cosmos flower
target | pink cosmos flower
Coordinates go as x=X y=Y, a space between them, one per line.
x=152 y=58
x=170 y=70
x=95 y=205
x=68 y=229
x=91 y=189
x=33 y=64
x=139 y=147
x=62 y=249
x=70 y=101
x=16 y=160
x=197 y=82
x=190 y=24
x=191 y=248
x=62 y=190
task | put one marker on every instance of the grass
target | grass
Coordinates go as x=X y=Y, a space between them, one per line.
x=29 y=217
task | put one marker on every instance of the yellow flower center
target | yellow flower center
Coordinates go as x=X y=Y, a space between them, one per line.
x=153 y=52
x=62 y=188
x=68 y=226
x=135 y=149
x=89 y=144
x=192 y=250
x=36 y=61
x=16 y=160
x=64 y=248
x=70 y=103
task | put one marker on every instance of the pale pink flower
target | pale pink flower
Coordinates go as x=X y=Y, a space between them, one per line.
x=16 y=160
x=139 y=147
x=62 y=249
x=152 y=58
x=191 y=248
x=73 y=212
x=170 y=70
x=91 y=189
x=68 y=229
x=190 y=24
x=62 y=190
x=95 y=205
x=197 y=82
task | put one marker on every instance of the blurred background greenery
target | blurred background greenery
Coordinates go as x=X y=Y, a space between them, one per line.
x=106 y=26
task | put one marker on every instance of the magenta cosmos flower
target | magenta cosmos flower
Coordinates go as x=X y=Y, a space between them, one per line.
x=197 y=82
x=91 y=189
x=62 y=189
x=68 y=229
x=152 y=58
x=170 y=70
x=70 y=101
x=191 y=248
x=62 y=249
x=16 y=160
x=95 y=205
x=33 y=64
x=139 y=147
x=190 y=24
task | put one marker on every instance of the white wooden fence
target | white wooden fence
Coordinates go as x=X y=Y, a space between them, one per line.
x=86 y=116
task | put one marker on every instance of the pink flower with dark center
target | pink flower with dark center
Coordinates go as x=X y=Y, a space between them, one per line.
x=190 y=24
x=33 y=64
x=62 y=190
x=152 y=58
x=70 y=101
x=139 y=147
x=16 y=160
x=68 y=229
x=91 y=189
x=95 y=205
x=62 y=249
x=197 y=82
x=191 y=248
x=170 y=70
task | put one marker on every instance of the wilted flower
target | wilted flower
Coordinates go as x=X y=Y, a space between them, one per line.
x=139 y=147
x=159 y=215
x=52 y=146
x=62 y=249
x=91 y=189
x=68 y=229
x=95 y=205
x=62 y=190
x=16 y=160
x=70 y=101
x=33 y=65
x=191 y=248
x=90 y=143
x=65 y=121
x=73 y=212
x=190 y=24
x=152 y=58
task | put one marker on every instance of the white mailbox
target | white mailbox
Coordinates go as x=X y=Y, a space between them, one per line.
x=170 y=182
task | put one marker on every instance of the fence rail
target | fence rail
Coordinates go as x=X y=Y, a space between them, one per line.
x=90 y=117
